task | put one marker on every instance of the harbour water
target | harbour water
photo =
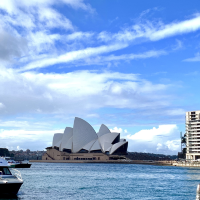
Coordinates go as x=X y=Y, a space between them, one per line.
x=108 y=181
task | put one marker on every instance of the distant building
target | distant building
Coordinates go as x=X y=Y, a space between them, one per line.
x=193 y=135
x=82 y=143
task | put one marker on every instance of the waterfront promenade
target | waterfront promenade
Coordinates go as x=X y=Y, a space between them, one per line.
x=144 y=162
x=187 y=164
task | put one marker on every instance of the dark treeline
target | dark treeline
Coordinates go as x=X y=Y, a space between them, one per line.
x=4 y=152
x=149 y=156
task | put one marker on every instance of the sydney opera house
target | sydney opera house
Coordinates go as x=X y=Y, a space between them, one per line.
x=83 y=143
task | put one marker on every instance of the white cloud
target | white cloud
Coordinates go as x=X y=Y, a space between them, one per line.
x=50 y=18
x=18 y=148
x=124 y=57
x=26 y=125
x=35 y=38
x=194 y=59
x=25 y=15
x=35 y=45
x=177 y=28
x=164 y=139
x=72 y=56
x=12 y=6
x=26 y=29
x=79 y=36
x=60 y=93
x=79 y=4
x=153 y=30
x=23 y=139
x=119 y=130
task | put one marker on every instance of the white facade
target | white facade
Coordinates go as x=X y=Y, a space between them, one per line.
x=193 y=135
x=82 y=138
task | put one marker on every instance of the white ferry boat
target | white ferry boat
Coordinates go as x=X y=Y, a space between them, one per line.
x=10 y=183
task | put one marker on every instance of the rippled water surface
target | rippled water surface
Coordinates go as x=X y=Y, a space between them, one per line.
x=108 y=181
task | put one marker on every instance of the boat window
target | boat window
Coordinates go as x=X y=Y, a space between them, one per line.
x=6 y=171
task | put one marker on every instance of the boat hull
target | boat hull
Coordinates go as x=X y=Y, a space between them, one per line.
x=10 y=188
x=22 y=165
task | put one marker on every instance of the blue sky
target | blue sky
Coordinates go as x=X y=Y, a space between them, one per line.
x=132 y=65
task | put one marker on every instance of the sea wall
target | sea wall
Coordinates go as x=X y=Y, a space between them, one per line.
x=187 y=164
x=162 y=163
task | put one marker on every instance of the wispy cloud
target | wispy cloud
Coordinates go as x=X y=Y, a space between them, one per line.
x=102 y=60
x=176 y=28
x=194 y=59
x=92 y=56
x=148 y=54
x=73 y=56
x=153 y=31
x=36 y=45
x=178 y=45
x=11 y=6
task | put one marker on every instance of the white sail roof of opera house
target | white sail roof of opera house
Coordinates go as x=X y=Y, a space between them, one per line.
x=82 y=138
x=66 y=141
x=103 y=130
x=57 y=138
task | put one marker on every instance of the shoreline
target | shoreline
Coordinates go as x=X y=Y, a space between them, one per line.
x=159 y=163
x=186 y=164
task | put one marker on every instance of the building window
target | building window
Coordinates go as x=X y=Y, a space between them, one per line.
x=63 y=158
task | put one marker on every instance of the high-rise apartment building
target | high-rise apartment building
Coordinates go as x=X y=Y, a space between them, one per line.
x=193 y=135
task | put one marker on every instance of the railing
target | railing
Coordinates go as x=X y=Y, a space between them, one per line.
x=17 y=174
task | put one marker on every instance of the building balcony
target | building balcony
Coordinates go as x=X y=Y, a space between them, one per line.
x=193 y=138
x=192 y=122
x=192 y=128
x=193 y=143
x=193 y=149
x=193 y=135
